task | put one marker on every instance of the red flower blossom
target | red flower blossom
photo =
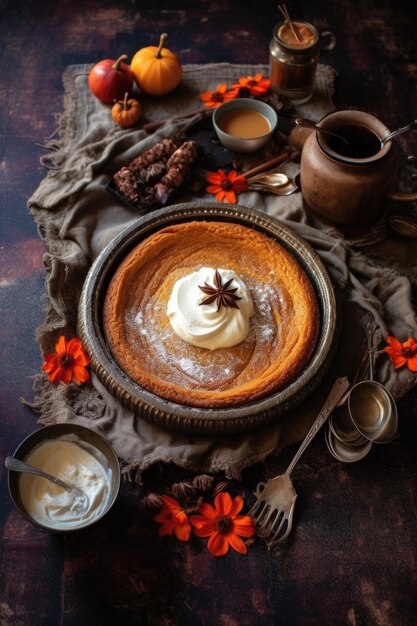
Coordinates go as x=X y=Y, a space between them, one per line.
x=223 y=525
x=226 y=186
x=251 y=86
x=68 y=363
x=217 y=96
x=173 y=519
x=402 y=353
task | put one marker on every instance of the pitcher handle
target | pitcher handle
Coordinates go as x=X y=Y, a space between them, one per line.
x=327 y=34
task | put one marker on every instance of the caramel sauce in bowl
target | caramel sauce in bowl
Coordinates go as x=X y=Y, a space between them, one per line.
x=244 y=125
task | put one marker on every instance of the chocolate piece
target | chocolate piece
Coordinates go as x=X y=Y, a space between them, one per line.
x=154 y=175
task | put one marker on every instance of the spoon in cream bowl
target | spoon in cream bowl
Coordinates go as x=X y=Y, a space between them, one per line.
x=80 y=500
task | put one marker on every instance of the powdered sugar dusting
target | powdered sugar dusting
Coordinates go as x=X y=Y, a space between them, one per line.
x=152 y=339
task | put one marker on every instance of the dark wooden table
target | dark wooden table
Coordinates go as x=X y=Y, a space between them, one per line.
x=352 y=557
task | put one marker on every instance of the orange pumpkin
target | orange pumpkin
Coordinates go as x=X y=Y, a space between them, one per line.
x=126 y=112
x=156 y=70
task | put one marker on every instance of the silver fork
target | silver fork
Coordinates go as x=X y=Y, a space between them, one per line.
x=274 y=509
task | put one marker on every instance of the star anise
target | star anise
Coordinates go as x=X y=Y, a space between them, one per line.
x=222 y=294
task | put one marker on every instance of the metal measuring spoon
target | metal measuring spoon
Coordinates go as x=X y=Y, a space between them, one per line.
x=371 y=406
x=274 y=182
x=346 y=452
x=273 y=179
x=81 y=499
x=397 y=132
x=343 y=428
x=344 y=440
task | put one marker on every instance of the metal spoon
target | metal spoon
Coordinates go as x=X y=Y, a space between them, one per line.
x=274 y=179
x=301 y=121
x=274 y=182
x=397 y=132
x=81 y=499
x=285 y=190
x=371 y=406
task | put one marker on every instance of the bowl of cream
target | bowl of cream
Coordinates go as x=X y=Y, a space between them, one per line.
x=74 y=454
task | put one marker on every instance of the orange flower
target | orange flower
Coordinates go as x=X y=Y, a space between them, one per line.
x=216 y=96
x=223 y=525
x=226 y=186
x=251 y=86
x=68 y=364
x=173 y=519
x=402 y=353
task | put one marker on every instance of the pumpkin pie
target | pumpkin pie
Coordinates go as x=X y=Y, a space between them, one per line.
x=283 y=326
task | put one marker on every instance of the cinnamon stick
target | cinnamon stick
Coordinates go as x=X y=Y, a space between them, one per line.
x=285 y=13
x=263 y=167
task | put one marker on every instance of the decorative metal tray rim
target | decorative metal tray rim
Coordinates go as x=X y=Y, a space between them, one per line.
x=194 y=420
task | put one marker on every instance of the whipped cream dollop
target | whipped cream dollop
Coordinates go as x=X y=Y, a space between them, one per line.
x=76 y=462
x=202 y=324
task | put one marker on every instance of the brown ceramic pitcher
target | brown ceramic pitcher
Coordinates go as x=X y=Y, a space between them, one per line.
x=350 y=182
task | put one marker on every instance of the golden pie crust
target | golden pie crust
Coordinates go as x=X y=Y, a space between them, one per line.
x=283 y=330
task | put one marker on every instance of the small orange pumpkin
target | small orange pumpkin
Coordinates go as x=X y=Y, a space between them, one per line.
x=156 y=70
x=126 y=112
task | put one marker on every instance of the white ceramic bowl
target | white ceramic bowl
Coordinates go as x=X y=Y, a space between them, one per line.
x=244 y=144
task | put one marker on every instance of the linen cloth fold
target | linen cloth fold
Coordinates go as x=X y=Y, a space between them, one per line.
x=77 y=217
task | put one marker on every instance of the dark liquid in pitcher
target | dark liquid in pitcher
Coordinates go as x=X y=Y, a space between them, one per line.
x=362 y=142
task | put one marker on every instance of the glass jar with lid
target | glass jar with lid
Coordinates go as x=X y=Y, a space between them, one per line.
x=294 y=55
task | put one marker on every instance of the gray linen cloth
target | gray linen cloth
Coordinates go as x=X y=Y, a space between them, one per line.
x=77 y=217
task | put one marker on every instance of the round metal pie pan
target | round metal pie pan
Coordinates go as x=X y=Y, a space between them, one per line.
x=173 y=416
